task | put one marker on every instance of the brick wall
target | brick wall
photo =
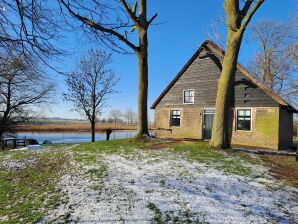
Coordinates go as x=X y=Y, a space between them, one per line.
x=264 y=131
x=190 y=123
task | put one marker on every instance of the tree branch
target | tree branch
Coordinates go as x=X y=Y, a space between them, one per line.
x=153 y=18
x=250 y=14
x=100 y=28
x=246 y=7
x=130 y=13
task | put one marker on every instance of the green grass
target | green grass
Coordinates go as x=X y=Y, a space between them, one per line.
x=221 y=160
x=91 y=153
x=27 y=194
x=99 y=173
x=23 y=192
x=157 y=213
x=229 y=163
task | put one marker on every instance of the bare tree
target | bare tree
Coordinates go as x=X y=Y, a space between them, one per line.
x=274 y=62
x=116 y=115
x=238 y=16
x=30 y=28
x=91 y=85
x=21 y=88
x=214 y=32
x=130 y=116
x=110 y=21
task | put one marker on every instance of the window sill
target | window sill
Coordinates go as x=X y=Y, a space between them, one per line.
x=243 y=131
x=174 y=126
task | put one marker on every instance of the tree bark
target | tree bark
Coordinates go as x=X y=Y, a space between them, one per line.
x=142 y=56
x=236 y=21
x=220 y=130
x=143 y=85
x=4 y=118
x=93 y=131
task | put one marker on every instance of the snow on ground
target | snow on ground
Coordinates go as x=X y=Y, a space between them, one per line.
x=146 y=188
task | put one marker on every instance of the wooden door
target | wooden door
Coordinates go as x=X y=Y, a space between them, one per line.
x=207 y=124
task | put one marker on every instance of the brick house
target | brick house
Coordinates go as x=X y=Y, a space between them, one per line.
x=185 y=109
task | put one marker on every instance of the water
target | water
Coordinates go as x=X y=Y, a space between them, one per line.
x=73 y=137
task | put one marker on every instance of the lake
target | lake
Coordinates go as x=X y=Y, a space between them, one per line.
x=74 y=137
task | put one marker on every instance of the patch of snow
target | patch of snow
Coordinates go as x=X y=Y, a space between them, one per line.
x=17 y=164
x=29 y=147
x=176 y=186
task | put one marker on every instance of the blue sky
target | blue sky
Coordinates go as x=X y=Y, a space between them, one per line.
x=182 y=27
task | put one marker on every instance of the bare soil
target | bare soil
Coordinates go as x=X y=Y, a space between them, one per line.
x=283 y=168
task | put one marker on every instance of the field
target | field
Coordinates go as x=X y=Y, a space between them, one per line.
x=125 y=181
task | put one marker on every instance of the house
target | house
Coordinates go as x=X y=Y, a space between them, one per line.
x=258 y=116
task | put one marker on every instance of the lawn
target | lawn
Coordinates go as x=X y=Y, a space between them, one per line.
x=124 y=181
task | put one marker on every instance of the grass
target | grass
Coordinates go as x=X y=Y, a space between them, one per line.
x=217 y=159
x=284 y=168
x=27 y=193
x=157 y=213
x=90 y=153
x=170 y=217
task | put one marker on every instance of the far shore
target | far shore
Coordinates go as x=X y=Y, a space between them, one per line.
x=74 y=127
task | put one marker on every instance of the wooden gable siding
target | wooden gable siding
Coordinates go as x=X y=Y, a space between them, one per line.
x=202 y=75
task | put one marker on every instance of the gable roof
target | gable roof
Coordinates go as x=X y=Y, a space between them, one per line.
x=220 y=53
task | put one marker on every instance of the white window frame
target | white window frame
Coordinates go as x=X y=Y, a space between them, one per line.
x=184 y=96
x=236 y=121
x=170 y=120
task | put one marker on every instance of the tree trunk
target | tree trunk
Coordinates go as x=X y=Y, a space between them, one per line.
x=220 y=130
x=93 y=131
x=236 y=22
x=142 y=56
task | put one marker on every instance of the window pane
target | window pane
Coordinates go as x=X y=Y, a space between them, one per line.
x=188 y=96
x=244 y=120
x=176 y=122
x=243 y=125
x=247 y=112
x=240 y=112
x=175 y=118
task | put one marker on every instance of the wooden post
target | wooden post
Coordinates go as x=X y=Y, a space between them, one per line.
x=108 y=133
x=14 y=143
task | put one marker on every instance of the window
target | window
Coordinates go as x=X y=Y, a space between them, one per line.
x=188 y=96
x=244 y=119
x=175 y=118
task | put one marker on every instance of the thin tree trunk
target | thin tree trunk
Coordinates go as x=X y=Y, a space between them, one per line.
x=93 y=131
x=220 y=134
x=143 y=85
